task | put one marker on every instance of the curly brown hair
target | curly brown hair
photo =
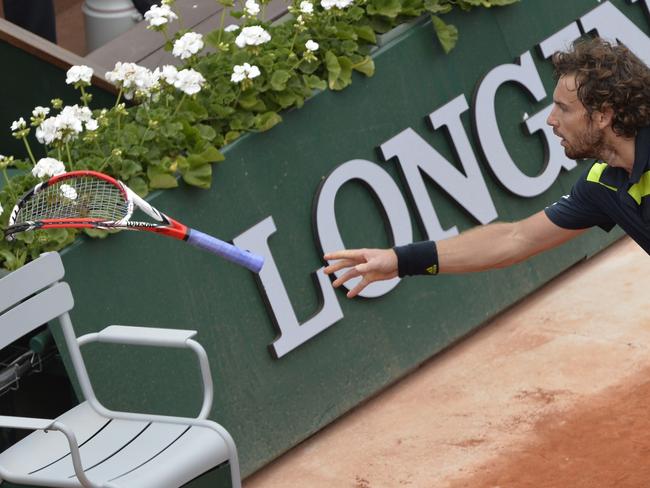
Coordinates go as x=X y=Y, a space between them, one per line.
x=609 y=76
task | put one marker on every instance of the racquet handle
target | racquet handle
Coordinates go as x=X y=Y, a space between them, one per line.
x=232 y=253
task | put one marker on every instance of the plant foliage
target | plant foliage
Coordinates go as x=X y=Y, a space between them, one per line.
x=229 y=82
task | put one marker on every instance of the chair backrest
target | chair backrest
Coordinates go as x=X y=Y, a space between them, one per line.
x=31 y=296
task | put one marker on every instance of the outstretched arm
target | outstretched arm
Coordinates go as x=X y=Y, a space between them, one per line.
x=485 y=247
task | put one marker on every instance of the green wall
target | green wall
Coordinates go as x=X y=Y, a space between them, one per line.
x=26 y=82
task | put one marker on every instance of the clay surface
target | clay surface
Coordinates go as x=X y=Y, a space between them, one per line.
x=554 y=392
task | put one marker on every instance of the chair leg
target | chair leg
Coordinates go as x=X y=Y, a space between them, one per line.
x=233 y=458
x=235 y=475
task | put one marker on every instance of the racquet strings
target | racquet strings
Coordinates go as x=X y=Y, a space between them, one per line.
x=82 y=197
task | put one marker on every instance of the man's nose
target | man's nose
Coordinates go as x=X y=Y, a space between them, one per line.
x=551 y=119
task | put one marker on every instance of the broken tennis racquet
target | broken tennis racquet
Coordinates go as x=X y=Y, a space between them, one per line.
x=89 y=199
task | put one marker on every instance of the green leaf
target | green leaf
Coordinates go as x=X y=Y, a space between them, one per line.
x=200 y=176
x=501 y=3
x=267 y=120
x=285 y=99
x=308 y=67
x=380 y=24
x=13 y=260
x=345 y=32
x=435 y=7
x=252 y=102
x=279 y=79
x=314 y=82
x=349 y=47
x=170 y=129
x=367 y=66
x=447 y=33
x=194 y=107
x=138 y=185
x=213 y=38
x=159 y=178
x=231 y=136
x=241 y=121
x=386 y=8
x=128 y=168
x=339 y=70
x=195 y=160
x=366 y=33
x=206 y=132
x=355 y=13
x=212 y=155
x=96 y=233
x=266 y=62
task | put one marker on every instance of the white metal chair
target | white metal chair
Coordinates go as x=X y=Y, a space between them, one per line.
x=96 y=447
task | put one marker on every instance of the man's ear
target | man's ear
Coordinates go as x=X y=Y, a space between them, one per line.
x=603 y=118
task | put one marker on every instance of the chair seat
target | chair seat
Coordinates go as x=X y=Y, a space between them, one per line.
x=117 y=453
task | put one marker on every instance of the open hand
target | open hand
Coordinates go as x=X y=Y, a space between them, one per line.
x=371 y=264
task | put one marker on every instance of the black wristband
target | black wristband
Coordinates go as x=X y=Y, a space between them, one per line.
x=418 y=258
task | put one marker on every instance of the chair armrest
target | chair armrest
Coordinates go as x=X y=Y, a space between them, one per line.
x=152 y=336
x=46 y=424
x=29 y=423
x=142 y=336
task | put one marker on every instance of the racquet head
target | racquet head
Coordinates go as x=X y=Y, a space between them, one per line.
x=75 y=199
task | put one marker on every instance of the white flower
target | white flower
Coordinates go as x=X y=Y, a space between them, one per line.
x=189 y=81
x=18 y=124
x=238 y=74
x=252 y=36
x=66 y=125
x=146 y=81
x=47 y=132
x=244 y=71
x=92 y=124
x=79 y=73
x=40 y=112
x=306 y=7
x=252 y=8
x=328 y=4
x=253 y=72
x=68 y=121
x=188 y=45
x=311 y=45
x=68 y=192
x=134 y=79
x=231 y=28
x=48 y=167
x=1 y=209
x=169 y=73
x=159 y=15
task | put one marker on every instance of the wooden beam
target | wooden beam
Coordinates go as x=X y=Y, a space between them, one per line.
x=50 y=53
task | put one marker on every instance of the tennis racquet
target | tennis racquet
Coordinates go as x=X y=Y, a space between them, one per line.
x=88 y=199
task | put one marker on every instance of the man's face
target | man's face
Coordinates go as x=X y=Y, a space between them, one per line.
x=581 y=139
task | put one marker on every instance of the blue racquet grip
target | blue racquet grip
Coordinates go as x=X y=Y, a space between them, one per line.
x=232 y=253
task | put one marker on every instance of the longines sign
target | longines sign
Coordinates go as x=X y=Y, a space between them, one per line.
x=417 y=158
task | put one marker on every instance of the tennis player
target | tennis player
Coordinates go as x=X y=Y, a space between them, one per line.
x=601 y=110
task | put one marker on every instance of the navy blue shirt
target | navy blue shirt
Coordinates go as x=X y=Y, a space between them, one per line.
x=605 y=196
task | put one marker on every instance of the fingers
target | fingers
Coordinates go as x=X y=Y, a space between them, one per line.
x=357 y=289
x=339 y=265
x=353 y=254
x=351 y=273
x=357 y=262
